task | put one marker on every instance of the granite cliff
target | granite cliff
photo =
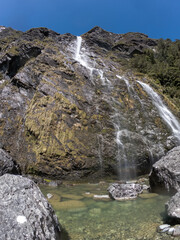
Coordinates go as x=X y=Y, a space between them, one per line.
x=70 y=109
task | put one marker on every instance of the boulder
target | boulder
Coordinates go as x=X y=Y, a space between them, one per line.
x=124 y=191
x=173 y=208
x=165 y=174
x=24 y=211
x=7 y=165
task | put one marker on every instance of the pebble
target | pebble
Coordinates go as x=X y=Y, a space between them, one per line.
x=171 y=231
x=49 y=195
x=164 y=228
x=101 y=196
x=176 y=230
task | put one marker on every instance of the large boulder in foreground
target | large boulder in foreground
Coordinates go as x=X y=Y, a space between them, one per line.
x=124 y=191
x=173 y=208
x=7 y=165
x=24 y=211
x=165 y=174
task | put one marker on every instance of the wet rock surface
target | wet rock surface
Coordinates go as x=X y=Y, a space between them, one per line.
x=24 y=211
x=7 y=165
x=165 y=173
x=69 y=117
x=124 y=191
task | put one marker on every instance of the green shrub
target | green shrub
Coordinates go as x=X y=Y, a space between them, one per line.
x=163 y=65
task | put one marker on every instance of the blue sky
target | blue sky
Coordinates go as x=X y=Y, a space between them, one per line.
x=156 y=18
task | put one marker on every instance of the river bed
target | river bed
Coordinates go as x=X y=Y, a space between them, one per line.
x=85 y=218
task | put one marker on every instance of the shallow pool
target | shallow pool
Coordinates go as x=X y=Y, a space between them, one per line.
x=85 y=218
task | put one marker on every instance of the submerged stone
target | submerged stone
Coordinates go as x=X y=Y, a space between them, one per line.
x=95 y=211
x=72 y=196
x=54 y=199
x=148 y=195
x=88 y=195
x=49 y=195
x=70 y=204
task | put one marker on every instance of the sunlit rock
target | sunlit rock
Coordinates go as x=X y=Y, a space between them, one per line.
x=124 y=191
x=24 y=212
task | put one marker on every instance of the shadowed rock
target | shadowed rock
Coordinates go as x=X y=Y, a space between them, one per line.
x=165 y=174
x=173 y=208
x=7 y=165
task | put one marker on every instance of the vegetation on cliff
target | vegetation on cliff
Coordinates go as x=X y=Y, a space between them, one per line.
x=162 y=64
x=65 y=118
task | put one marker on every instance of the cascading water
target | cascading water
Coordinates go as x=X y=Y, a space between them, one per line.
x=125 y=134
x=88 y=64
x=100 y=150
x=164 y=112
x=123 y=168
x=2 y=28
x=130 y=89
x=121 y=156
x=126 y=81
x=81 y=58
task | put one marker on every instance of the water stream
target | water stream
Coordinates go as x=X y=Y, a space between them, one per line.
x=86 y=62
x=98 y=76
x=164 y=112
x=122 y=163
x=81 y=58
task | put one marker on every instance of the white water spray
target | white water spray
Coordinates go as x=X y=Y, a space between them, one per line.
x=80 y=57
x=126 y=81
x=2 y=28
x=164 y=112
x=87 y=63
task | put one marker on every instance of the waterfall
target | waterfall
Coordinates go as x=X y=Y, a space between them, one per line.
x=100 y=150
x=81 y=58
x=2 y=28
x=123 y=168
x=126 y=81
x=81 y=55
x=77 y=55
x=164 y=112
x=84 y=60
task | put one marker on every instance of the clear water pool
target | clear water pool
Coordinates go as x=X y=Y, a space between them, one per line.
x=85 y=218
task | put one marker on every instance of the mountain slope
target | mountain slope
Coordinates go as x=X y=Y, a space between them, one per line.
x=70 y=108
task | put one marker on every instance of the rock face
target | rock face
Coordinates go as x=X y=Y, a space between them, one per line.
x=165 y=173
x=68 y=110
x=24 y=212
x=173 y=208
x=7 y=165
x=124 y=191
